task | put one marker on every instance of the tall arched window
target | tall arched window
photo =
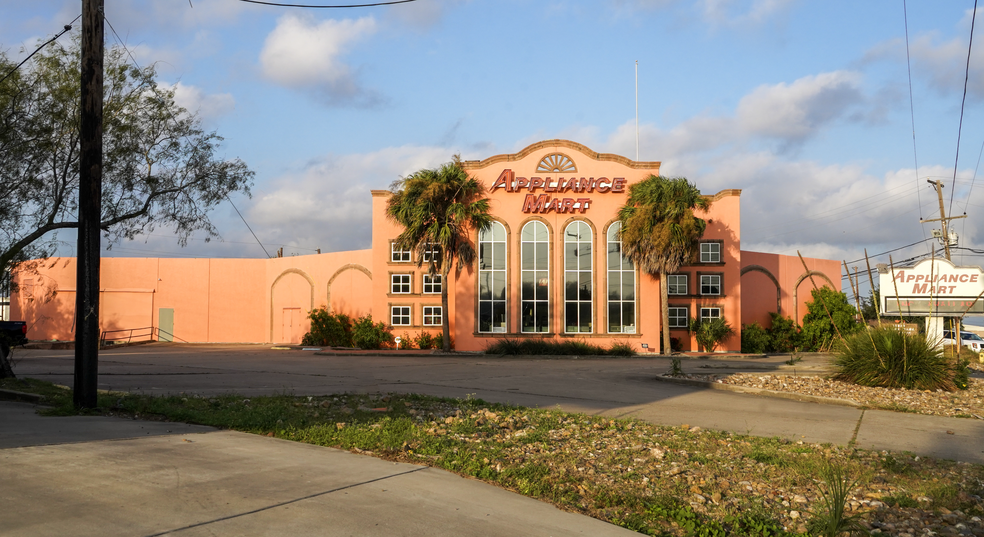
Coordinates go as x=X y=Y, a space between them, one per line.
x=621 y=287
x=578 y=280
x=492 y=279
x=536 y=277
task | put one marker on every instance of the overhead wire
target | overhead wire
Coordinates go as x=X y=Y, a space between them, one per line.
x=66 y=28
x=278 y=4
x=963 y=103
x=912 y=113
x=175 y=120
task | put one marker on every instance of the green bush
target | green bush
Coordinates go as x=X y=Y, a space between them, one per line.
x=367 y=335
x=891 y=358
x=621 y=348
x=784 y=335
x=425 y=340
x=406 y=342
x=439 y=341
x=754 y=339
x=818 y=332
x=328 y=329
x=711 y=332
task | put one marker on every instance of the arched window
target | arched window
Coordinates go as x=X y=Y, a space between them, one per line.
x=535 y=265
x=621 y=287
x=492 y=279
x=578 y=280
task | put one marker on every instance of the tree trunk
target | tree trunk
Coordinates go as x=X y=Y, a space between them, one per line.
x=664 y=294
x=445 y=322
x=6 y=371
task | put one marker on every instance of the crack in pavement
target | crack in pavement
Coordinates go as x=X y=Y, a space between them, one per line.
x=288 y=502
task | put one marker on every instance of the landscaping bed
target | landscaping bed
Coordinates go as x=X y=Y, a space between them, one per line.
x=652 y=479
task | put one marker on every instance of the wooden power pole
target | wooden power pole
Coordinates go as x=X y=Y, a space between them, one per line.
x=90 y=207
x=943 y=219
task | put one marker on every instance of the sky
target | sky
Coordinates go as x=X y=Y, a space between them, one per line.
x=811 y=108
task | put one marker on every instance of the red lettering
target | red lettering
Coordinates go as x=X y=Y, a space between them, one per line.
x=952 y=288
x=618 y=185
x=900 y=276
x=534 y=203
x=919 y=289
x=582 y=185
x=521 y=183
x=569 y=185
x=536 y=183
x=973 y=278
x=504 y=180
x=554 y=205
x=549 y=186
x=583 y=203
x=602 y=186
x=964 y=278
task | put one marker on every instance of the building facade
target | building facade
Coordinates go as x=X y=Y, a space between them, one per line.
x=549 y=267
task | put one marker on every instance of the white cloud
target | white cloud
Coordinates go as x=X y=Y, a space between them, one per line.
x=303 y=53
x=794 y=112
x=742 y=12
x=422 y=15
x=327 y=204
x=208 y=106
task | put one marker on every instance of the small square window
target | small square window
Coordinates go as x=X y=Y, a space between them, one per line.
x=398 y=255
x=710 y=284
x=710 y=252
x=400 y=316
x=678 y=317
x=432 y=252
x=400 y=284
x=433 y=316
x=710 y=313
x=432 y=284
x=677 y=284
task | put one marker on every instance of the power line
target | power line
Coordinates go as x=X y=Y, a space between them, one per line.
x=892 y=250
x=912 y=113
x=247 y=226
x=963 y=102
x=277 y=4
x=66 y=28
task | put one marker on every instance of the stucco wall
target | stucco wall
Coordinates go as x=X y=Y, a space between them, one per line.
x=795 y=285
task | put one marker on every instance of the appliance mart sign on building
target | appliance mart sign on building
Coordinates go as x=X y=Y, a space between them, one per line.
x=552 y=198
x=932 y=287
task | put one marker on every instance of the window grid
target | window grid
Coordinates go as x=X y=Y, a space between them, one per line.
x=621 y=287
x=492 y=279
x=679 y=317
x=710 y=284
x=397 y=255
x=710 y=313
x=710 y=252
x=400 y=315
x=432 y=284
x=400 y=284
x=432 y=252
x=578 y=278
x=433 y=315
x=676 y=284
x=535 y=263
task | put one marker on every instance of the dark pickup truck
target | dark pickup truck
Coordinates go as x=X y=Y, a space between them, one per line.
x=14 y=332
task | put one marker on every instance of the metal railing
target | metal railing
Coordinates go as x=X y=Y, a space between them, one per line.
x=128 y=336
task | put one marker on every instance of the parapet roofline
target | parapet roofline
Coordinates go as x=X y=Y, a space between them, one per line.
x=642 y=165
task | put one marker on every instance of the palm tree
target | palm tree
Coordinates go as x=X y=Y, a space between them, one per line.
x=660 y=232
x=440 y=207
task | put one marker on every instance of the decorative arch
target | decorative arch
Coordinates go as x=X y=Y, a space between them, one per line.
x=799 y=280
x=763 y=270
x=273 y=286
x=343 y=268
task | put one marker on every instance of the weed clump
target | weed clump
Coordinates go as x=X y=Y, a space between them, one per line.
x=889 y=358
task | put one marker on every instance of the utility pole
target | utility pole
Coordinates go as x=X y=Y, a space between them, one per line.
x=944 y=219
x=90 y=206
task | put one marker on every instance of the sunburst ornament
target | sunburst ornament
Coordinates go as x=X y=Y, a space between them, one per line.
x=556 y=163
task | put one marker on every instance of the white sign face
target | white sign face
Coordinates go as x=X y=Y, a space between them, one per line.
x=931 y=287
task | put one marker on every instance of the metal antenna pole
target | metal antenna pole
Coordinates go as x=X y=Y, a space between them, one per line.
x=637 y=108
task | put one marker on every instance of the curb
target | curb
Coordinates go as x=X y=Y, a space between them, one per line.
x=760 y=391
x=13 y=395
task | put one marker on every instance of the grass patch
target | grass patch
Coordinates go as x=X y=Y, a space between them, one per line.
x=541 y=347
x=652 y=479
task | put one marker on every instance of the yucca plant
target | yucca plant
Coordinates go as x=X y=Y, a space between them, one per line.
x=890 y=358
x=830 y=520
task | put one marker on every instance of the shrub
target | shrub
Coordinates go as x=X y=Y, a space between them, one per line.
x=405 y=342
x=513 y=347
x=621 y=348
x=891 y=358
x=711 y=332
x=424 y=340
x=784 y=335
x=754 y=339
x=439 y=341
x=818 y=332
x=328 y=329
x=367 y=335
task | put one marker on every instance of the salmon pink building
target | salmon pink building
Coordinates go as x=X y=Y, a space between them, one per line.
x=549 y=267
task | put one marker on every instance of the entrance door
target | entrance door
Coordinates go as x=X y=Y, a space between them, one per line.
x=165 y=324
x=292 y=326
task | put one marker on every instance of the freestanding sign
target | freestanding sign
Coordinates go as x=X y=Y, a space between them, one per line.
x=933 y=287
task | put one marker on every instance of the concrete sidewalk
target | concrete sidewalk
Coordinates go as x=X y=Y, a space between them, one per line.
x=104 y=476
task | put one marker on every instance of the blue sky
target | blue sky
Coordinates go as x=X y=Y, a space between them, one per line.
x=803 y=105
